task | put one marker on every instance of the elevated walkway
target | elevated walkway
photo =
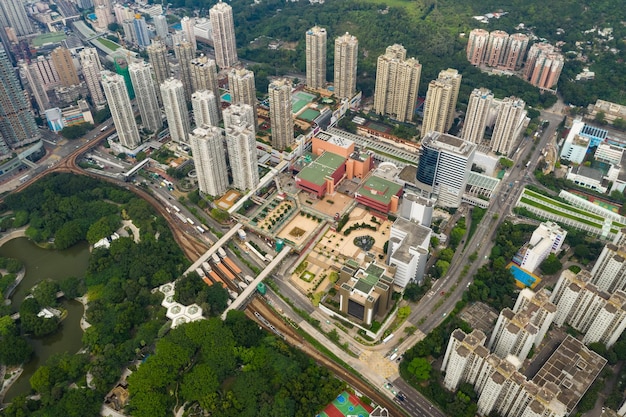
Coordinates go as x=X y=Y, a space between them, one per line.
x=214 y=248
x=245 y=294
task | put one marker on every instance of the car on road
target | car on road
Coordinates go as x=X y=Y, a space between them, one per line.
x=401 y=396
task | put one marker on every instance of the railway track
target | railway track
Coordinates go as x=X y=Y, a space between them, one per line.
x=257 y=308
x=191 y=247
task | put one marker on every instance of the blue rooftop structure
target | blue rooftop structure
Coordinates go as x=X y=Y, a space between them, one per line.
x=595 y=135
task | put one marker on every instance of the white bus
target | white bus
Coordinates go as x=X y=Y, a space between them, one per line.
x=388 y=338
x=200 y=229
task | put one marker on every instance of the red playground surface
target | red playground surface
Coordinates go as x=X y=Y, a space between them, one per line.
x=346 y=404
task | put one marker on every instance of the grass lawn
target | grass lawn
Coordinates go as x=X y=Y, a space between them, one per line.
x=560 y=213
x=109 y=44
x=49 y=38
x=563 y=205
x=307 y=276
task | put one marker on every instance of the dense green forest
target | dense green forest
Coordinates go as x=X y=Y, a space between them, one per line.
x=431 y=30
x=125 y=316
x=229 y=368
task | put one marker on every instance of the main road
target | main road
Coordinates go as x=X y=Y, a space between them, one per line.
x=433 y=308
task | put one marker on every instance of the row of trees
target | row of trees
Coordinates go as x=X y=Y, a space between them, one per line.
x=493 y=282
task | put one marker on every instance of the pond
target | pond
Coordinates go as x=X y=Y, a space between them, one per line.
x=56 y=265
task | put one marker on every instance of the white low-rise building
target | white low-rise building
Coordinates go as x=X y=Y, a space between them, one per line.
x=408 y=251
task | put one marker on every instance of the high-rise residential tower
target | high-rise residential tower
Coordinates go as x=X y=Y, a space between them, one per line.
x=121 y=109
x=243 y=89
x=241 y=145
x=440 y=104
x=13 y=14
x=175 y=106
x=157 y=56
x=509 y=123
x=204 y=107
x=62 y=59
x=204 y=75
x=209 y=159
x=141 y=31
x=397 y=84
x=543 y=65
x=316 y=57
x=515 y=52
x=91 y=66
x=161 y=26
x=145 y=92
x=187 y=24
x=476 y=46
x=476 y=116
x=346 y=59
x=496 y=47
x=17 y=123
x=185 y=54
x=281 y=117
x=444 y=165
x=223 y=27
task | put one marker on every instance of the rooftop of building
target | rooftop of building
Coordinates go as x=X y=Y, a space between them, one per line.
x=572 y=368
x=588 y=172
x=417 y=236
x=324 y=166
x=379 y=189
x=364 y=280
x=449 y=143
x=594 y=132
x=334 y=139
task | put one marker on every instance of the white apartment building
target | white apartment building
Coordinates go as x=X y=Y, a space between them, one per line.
x=575 y=146
x=553 y=392
x=476 y=117
x=281 y=117
x=145 y=92
x=208 y=157
x=243 y=89
x=175 y=106
x=241 y=145
x=397 y=84
x=121 y=109
x=408 y=251
x=509 y=124
x=204 y=106
x=582 y=305
x=547 y=238
x=223 y=31
x=316 y=57
x=417 y=209
x=609 y=271
x=346 y=59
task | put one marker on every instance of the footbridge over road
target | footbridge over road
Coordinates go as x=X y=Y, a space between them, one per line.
x=245 y=294
x=223 y=240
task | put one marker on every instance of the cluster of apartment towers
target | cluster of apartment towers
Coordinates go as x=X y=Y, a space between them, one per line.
x=592 y=303
x=507 y=53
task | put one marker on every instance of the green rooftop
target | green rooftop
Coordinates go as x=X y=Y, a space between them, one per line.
x=325 y=165
x=369 y=278
x=53 y=37
x=379 y=189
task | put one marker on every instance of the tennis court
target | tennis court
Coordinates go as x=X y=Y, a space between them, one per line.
x=344 y=405
x=379 y=127
x=309 y=115
x=524 y=278
x=299 y=100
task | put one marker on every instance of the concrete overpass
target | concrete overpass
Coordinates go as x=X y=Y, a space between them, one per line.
x=214 y=248
x=245 y=294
